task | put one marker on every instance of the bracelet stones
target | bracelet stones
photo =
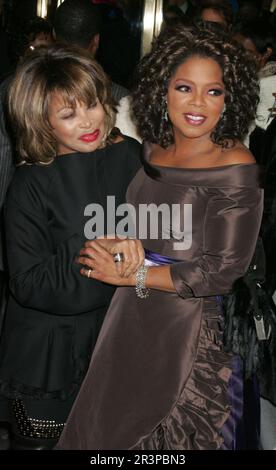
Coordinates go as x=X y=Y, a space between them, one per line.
x=141 y=290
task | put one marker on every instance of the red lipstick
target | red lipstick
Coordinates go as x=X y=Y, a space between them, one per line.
x=91 y=137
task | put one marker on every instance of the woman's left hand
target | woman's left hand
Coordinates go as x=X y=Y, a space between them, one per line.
x=132 y=252
x=99 y=264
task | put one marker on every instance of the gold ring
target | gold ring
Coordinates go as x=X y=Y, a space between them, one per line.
x=89 y=272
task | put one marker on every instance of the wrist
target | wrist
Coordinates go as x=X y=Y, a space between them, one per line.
x=140 y=285
x=131 y=280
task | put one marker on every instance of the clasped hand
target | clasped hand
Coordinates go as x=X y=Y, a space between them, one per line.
x=97 y=258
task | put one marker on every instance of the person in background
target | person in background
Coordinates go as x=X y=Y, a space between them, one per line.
x=216 y=11
x=260 y=40
x=5 y=62
x=249 y=10
x=160 y=378
x=70 y=159
x=268 y=233
x=79 y=22
x=5 y=67
x=185 y=7
x=116 y=59
x=29 y=35
x=172 y=15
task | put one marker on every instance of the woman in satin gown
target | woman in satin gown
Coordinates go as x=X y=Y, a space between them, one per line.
x=159 y=377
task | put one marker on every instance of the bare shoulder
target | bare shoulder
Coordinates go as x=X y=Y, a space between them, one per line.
x=239 y=154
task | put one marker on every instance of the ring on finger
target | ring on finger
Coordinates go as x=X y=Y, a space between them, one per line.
x=89 y=273
x=118 y=257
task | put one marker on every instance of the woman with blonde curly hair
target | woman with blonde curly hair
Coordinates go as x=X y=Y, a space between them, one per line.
x=159 y=377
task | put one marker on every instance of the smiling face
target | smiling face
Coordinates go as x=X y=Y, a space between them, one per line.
x=76 y=129
x=196 y=98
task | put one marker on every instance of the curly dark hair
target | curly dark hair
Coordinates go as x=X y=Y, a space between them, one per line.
x=169 y=51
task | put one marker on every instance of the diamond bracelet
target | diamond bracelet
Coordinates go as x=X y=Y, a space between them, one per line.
x=141 y=290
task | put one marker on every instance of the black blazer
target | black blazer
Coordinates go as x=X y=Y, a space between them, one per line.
x=54 y=314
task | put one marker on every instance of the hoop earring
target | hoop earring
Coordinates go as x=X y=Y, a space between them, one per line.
x=166 y=116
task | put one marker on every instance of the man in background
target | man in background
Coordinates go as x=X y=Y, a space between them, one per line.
x=79 y=22
x=187 y=7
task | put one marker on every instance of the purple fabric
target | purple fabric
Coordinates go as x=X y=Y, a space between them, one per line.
x=157 y=259
x=231 y=431
x=241 y=431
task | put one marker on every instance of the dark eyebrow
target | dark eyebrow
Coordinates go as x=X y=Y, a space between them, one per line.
x=216 y=84
x=207 y=84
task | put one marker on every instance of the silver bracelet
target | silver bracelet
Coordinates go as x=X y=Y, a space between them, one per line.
x=141 y=290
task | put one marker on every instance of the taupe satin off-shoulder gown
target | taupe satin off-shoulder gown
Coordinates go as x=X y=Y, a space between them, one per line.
x=158 y=378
